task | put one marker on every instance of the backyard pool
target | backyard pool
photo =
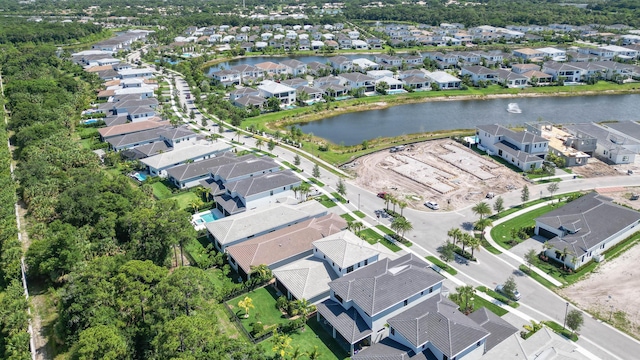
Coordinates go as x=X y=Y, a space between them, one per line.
x=208 y=216
x=90 y=121
x=396 y=91
x=138 y=176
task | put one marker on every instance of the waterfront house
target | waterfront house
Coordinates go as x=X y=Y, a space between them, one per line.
x=294 y=67
x=316 y=68
x=364 y=65
x=286 y=94
x=511 y=79
x=522 y=149
x=416 y=82
x=444 y=80
x=613 y=147
x=227 y=77
x=480 y=73
x=567 y=72
x=271 y=68
x=315 y=94
x=357 y=81
x=341 y=63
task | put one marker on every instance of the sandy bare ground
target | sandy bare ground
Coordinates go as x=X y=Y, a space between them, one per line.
x=439 y=170
x=618 y=278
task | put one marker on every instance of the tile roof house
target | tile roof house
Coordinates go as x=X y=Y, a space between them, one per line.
x=585 y=227
x=117 y=130
x=282 y=246
x=522 y=149
x=235 y=229
x=158 y=164
x=362 y=301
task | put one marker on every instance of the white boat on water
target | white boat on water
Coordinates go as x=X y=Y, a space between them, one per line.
x=514 y=108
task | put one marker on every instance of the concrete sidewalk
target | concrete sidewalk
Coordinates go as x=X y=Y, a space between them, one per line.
x=512 y=255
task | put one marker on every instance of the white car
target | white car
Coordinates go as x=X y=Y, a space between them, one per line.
x=500 y=289
x=432 y=205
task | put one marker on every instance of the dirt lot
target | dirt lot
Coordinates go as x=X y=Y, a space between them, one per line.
x=593 y=293
x=622 y=195
x=440 y=170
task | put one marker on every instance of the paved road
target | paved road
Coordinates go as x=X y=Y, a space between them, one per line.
x=430 y=229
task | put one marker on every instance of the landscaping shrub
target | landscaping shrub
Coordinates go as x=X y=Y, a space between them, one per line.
x=465 y=254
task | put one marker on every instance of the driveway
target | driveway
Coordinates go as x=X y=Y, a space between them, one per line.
x=535 y=243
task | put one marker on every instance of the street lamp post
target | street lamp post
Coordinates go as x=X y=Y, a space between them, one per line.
x=564 y=324
x=358 y=201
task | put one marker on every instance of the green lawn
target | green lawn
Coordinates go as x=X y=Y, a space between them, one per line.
x=160 y=190
x=185 y=199
x=347 y=217
x=528 y=204
x=306 y=340
x=317 y=182
x=373 y=237
x=385 y=229
x=442 y=265
x=498 y=297
x=324 y=200
x=264 y=301
x=196 y=250
x=501 y=234
x=535 y=276
x=360 y=214
x=479 y=302
x=339 y=197
x=564 y=332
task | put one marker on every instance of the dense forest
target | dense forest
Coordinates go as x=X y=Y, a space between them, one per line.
x=101 y=245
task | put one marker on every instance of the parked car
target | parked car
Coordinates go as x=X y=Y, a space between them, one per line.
x=432 y=205
x=381 y=195
x=490 y=195
x=500 y=289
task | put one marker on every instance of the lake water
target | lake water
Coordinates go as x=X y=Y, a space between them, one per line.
x=353 y=128
x=258 y=59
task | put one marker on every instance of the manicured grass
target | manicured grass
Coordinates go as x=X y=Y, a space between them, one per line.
x=339 y=197
x=370 y=236
x=185 y=199
x=225 y=324
x=291 y=166
x=534 y=275
x=313 y=336
x=564 y=332
x=385 y=229
x=490 y=248
x=360 y=214
x=160 y=190
x=546 y=181
x=264 y=302
x=498 y=296
x=317 y=182
x=347 y=217
x=479 y=302
x=501 y=234
x=324 y=200
x=530 y=203
x=442 y=265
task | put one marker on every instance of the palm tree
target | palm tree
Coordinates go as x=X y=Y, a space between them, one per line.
x=314 y=354
x=259 y=144
x=296 y=353
x=455 y=234
x=355 y=226
x=304 y=309
x=262 y=271
x=246 y=304
x=238 y=133
x=402 y=205
x=387 y=198
x=466 y=240
x=401 y=225
x=474 y=244
x=465 y=293
x=482 y=209
x=482 y=224
x=304 y=189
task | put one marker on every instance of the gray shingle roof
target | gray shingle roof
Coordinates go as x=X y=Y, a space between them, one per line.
x=180 y=155
x=347 y=322
x=630 y=128
x=383 y=284
x=518 y=136
x=199 y=168
x=594 y=217
x=499 y=328
x=520 y=155
x=146 y=150
x=438 y=321
x=133 y=138
x=388 y=349
x=259 y=184
x=605 y=138
x=248 y=165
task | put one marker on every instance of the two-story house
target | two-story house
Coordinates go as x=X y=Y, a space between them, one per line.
x=522 y=149
x=286 y=94
x=294 y=67
x=357 y=81
x=480 y=73
x=341 y=63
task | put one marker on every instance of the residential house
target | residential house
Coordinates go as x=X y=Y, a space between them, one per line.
x=375 y=43
x=250 y=101
x=357 y=81
x=282 y=246
x=235 y=229
x=364 y=65
x=523 y=68
x=379 y=74
x=565 y=71
x=511 y=79
x=341 y=63
x=242 y=92
x=189 y=175
x=583 y=229
x=554 y=54
x=130 y=128
x=393 y=84
x=388 y=61
x=529 y=54
x=316 y=68
x=304 y=45
x=612 y=146
x=333 y=256
x=412 y=72
x=316 y=45
x=146 y=73
x=333 y=80
x=183 y=152
x=536 y=77
x=444 y=80
x=417 y=82
x=315 y=94
x=359 y=44
x=227 y=77
x=362 y=302
x=480 y=73
x=286 y=94
x=294 y=67
x=295 y=83
x=271 y=68
x=522 y=149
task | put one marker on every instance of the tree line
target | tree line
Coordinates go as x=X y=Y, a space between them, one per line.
x=100 y=244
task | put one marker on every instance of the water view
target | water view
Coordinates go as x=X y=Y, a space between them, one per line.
x=353 y=128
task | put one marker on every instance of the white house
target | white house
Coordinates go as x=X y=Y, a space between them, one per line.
x=522 y=149
x=444 y=80
x=285 y=94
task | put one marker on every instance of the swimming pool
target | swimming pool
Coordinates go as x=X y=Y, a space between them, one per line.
x=395 y=91
x=139 y=177
x=208 y=217
x=90 y=121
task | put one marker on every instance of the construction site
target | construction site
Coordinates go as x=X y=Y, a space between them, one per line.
x=441 y=171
